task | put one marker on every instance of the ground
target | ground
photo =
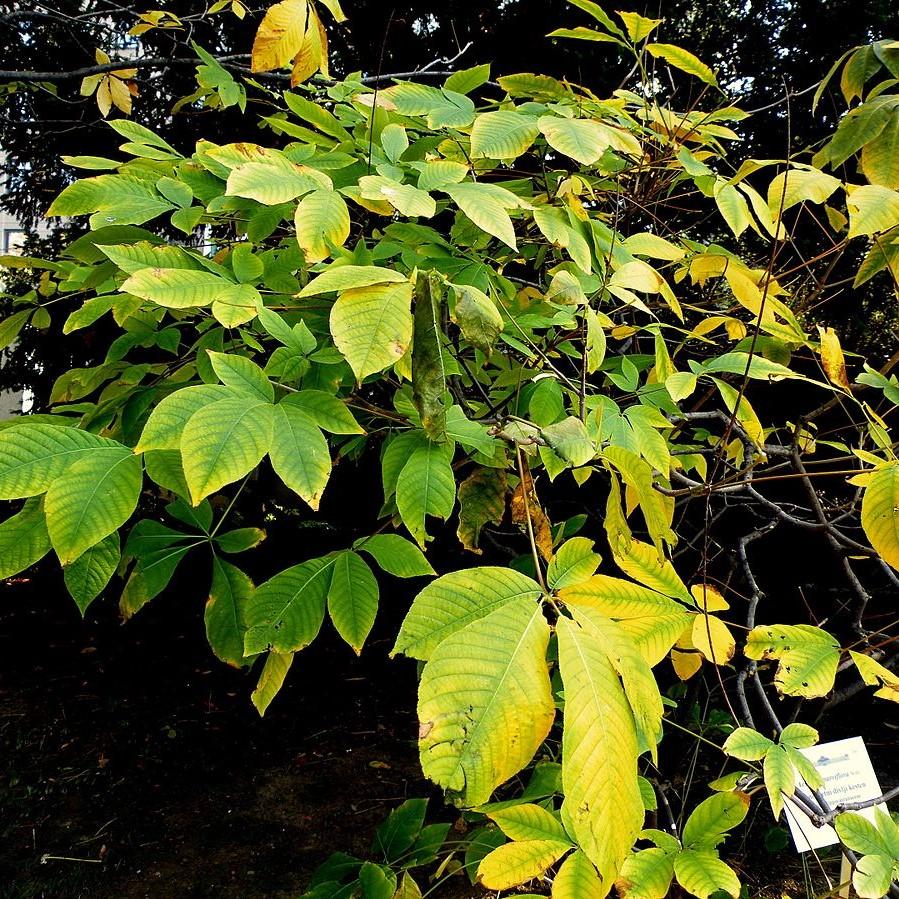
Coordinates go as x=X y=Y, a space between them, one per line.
x=135 y=766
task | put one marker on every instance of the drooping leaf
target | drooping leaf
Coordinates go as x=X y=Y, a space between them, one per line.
x=352 y=598
x=482 y=500
x=23 y=539
x=95 y=496
x=581 y=139
x=396 y=555
x=485 y=703
x=577 y=879
x=372 y=326
x=299 y=452
x=428 y=367
x=454 y=601
x=230 y=594
x=286 y=612
x=603 y=809
x=683 y=60
x=86 y=577
x=322 y=220
x=880 y=518
x=271 y=679
x=426 y=486
x=224 y=441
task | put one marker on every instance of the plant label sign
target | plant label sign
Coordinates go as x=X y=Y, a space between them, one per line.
x=848 y=777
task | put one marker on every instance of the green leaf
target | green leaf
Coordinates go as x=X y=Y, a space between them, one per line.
x=477 y=317
x=471 y=434
x=703 y=873
x=486 y=205
x=150 y=576
x=502 y=135
x=712 y=818
x=329 y=412
x=570 y=441
x=516 y=863
x=428 y=369
x=405 y=199
x=484 y=701
x=603 y=810
x=880 y=518
x=23 y=539
x=780 y=778
x=372 y=326
x=322 y=220
x=95 y=496
x=299 y=453
x=274 y=180
x=87 y=576
x=807 y=657
x=646 y=874
x=747 y=744
x=271 y=679
x=580 y=139
x=242 y=375
x=798 y=736
x=466 y=80
x=873 y=876
x=346 y=277
x=426 y=486
x=352 y=599
x=11 y=326
x=33 y=456
x=576 y=879
x=861 y=835
x=399 y=832
x=396 y=555
x=166 y=423
x=224 y=441
x=286 y=612
x=181 y=288
x=377 y=882
x=683 y=60
x=456 y=600
x=230 y=594
x=239 y=540
x=573 y=563
x=528 y=822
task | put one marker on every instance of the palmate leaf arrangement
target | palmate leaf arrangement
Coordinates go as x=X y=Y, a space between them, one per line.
x=478 y=281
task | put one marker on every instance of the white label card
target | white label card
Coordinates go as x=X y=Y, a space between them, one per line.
x=848 y=777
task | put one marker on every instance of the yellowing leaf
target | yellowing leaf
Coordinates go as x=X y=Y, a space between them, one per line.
x=709 y=598
x=372 y=326
x=872 y=209
x=580 y=139
x=713 y=639
x=807 y=657
x=322 y=220
x=683 y=60
x=880 y=512
x=577 y=879
x=484 y=701
x=519 y=862
x=280 y=35
x=832 y=357
x=602 y=809
x=876 y=675
x=502 y=135
x=271 y=679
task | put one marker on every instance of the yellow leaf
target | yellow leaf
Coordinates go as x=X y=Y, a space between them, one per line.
x=121 y=96
x=280 y=35
x=104 y=96
x=832 y=357
x=519 y=862
x=876 y=675
x=687 y=662
x=880 y=513
x=709 y=598
x=713 y=639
